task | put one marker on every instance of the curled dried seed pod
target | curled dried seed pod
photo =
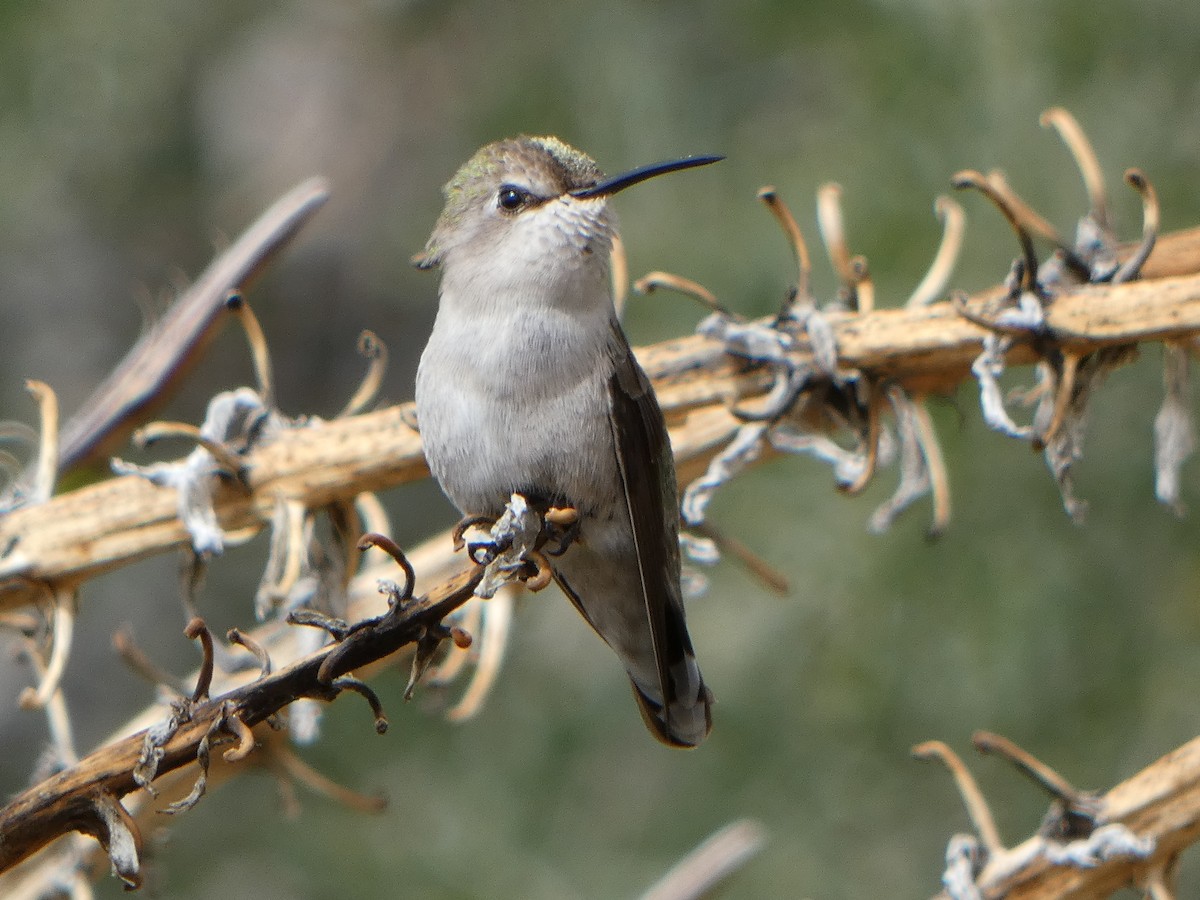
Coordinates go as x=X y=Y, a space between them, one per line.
x=392 y=549
x=346 y=683
x=978 y=810
x=196 y=629
x=1081 y=150
x=260 y=355
x=375 y=351
x=969 y=178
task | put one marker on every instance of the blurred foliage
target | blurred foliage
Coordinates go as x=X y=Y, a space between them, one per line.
x=134 y=134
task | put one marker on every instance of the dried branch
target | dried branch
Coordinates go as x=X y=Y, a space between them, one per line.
x=1094 y=845
x=926 y=349
x=168 y=349
x=714 y=860
x=64 y=802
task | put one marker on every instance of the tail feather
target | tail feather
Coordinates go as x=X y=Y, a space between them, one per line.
x=685 y=722
x=616 y=611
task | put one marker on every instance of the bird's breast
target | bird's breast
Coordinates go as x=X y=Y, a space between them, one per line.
x=518 y=402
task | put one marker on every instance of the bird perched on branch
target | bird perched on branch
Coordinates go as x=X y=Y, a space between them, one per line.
x=528 y=385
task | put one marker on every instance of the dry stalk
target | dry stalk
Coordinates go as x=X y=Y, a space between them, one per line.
x=63 y=802
x=927 y=349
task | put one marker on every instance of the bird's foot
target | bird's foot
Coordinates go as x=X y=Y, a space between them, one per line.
x=481 y=552
x=560 y=527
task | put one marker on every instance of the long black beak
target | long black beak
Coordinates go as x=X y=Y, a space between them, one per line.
x=620 y=182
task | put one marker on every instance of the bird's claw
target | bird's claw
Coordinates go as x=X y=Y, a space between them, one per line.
x=467 y=522
x=561 y=525
x=483 y=553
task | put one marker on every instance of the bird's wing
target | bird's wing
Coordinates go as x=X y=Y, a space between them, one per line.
x=647 y=472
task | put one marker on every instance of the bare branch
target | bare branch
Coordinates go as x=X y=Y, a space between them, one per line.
x=171 y=347
x=59 y=804
x=1155 y=810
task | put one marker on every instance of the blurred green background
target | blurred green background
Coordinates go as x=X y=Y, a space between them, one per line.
x=135 y=134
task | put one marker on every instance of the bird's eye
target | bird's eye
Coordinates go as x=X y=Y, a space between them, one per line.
x=511 y=199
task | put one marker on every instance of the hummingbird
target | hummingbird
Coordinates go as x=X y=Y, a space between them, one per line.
x=528 y=385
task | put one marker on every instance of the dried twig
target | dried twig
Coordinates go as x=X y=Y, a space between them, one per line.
x=709 y=864
x=928 y=349
x=171 y=346
x=52 y=808
x=1132 y=833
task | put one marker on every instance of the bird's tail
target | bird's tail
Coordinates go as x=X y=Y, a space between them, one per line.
x=685 y=719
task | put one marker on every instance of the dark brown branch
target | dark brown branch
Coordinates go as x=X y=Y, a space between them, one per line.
x=64 y=802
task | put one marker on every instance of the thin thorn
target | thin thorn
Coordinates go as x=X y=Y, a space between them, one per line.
x=868 y=470
x=1085 y=158
x=62 y=631
x=771 y=577
x=863 y=289
x=46 y=470
x=259 y=353
x=700 y=873
x=939 y=478
x=562 y=515
x=1054 y=784
x=331 y=661
x=375 y=352
x=302 y=772
x=977 y=807
x=954 y=224
x=783 y=395
x=260 y=653
x=200 y=785
x=831 y=224
x=58 y=718
x=427 y=646
x=392 y=549
x=192 y=577
x=156 y=431
x=293 y=519
x=196 y=629
x=791 y=230
x=453 y=663
x=371 y=513
x=134 y=657
x=959 y=300
x=1062 y=398
x=289 y=800
x=245 y=739
x=1130 y=269
x=1029 y=218
x=344 y=523
x=493 y=641
x=652 y=281
x=543 y=575
x=336 y=628
x=346 y=683
x=464 y=525
x=969 y=178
